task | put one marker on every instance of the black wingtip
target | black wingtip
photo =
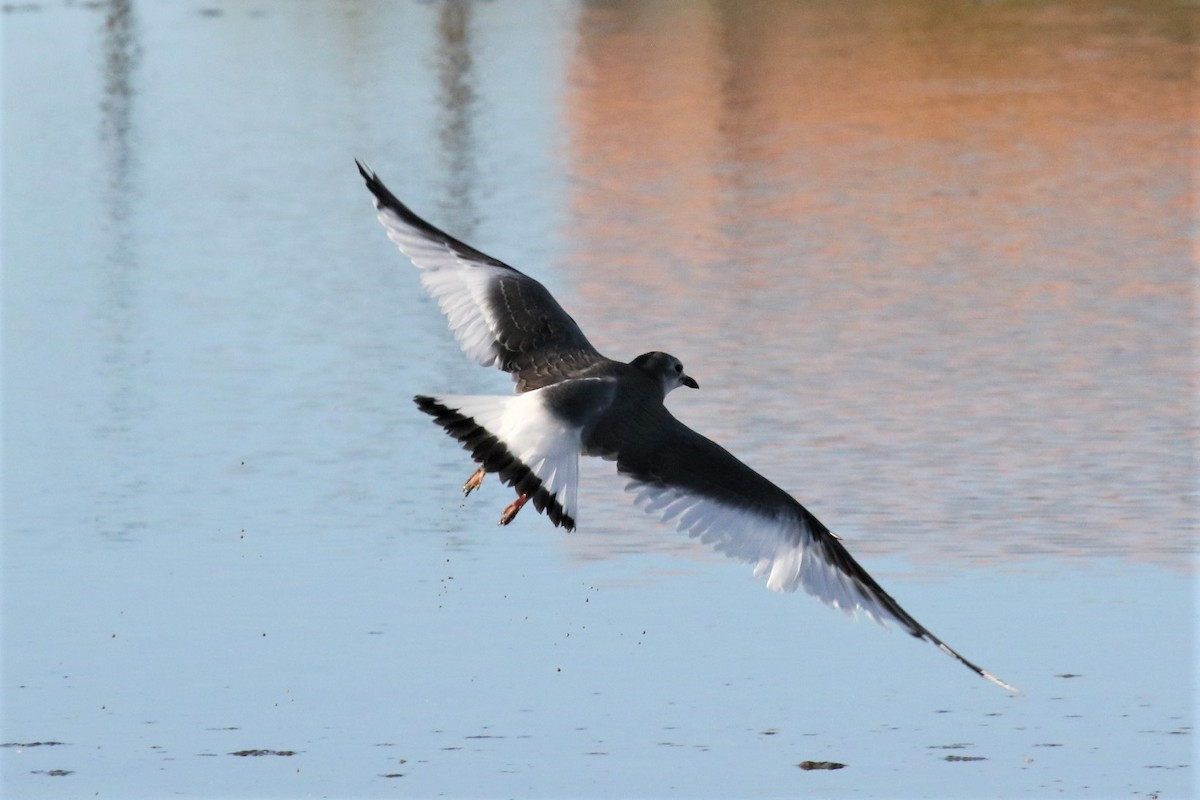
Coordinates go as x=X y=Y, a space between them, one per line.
x=383 y=195
x=386 y=201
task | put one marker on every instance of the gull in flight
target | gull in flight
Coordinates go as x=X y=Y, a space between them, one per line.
x=570 y=401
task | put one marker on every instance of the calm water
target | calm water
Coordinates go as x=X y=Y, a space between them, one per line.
x=932 y=262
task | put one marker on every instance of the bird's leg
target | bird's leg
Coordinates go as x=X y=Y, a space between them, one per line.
x=473 y=482
x=510 y=513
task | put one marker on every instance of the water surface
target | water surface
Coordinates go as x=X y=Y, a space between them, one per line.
x=932 y=263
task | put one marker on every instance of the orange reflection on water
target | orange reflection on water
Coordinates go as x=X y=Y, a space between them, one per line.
x=937 y=256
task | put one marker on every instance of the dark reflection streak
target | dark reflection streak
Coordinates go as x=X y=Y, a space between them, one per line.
x=458 y=101
x=735 y=92
x=121 y=52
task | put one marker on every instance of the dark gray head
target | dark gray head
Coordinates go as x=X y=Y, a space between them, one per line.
x=665 y=368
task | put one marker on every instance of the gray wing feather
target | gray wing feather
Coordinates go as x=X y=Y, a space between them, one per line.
x=500 y=316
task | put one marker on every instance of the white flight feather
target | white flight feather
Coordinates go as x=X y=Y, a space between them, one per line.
x=458 y=285
x=785 y=560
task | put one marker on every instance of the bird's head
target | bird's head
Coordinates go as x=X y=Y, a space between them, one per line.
x=666 y=369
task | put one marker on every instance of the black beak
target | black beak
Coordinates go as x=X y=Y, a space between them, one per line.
x=687 y=380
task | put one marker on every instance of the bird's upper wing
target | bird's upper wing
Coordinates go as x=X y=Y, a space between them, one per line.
x=500 y=316
x=688 y=479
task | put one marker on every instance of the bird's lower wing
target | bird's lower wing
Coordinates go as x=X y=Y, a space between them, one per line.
x=685 y=478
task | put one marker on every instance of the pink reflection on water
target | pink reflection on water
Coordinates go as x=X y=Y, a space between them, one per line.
x=934 y=270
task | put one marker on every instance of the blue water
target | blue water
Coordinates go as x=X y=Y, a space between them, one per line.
x=942 y=295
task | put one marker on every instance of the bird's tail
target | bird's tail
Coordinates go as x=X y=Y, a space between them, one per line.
x=521 y=440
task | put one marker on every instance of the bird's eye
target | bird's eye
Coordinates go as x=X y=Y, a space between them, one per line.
x=679 y=367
